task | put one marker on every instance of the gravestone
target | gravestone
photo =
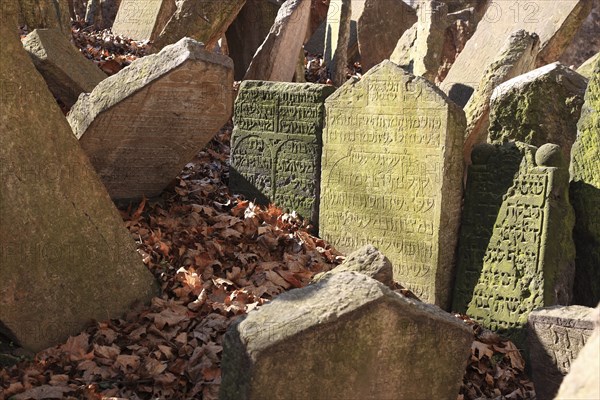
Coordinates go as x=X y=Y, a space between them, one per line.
x=585 y=196
x=101 y=13
x=392 y=176
x=337 y=35
x=277 y=56
x=345 y=337
x=66 y=71
x=276 y=144
x=51 y=14
x=529 y=261
x=142 y=19
x=586 y=41
x=541 y=106
x=556 y=335
x=142 y=125
x=587 y=68
x=65 y=256
x=555 y=26
x=488 y=180
x=380 y=26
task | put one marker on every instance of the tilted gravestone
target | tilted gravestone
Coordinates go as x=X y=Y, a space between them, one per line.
x=337 y=36
x=66 y=71
x=65 y=256
x=392 y=176
x=143 y=19
x=276 y=144
x=142 y=125
x=51 y=14
x=345 y=337
x=556 y=335
x=489 y=178
x=529 y=262
x=585 y=196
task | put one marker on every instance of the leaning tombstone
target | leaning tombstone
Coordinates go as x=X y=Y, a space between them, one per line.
x=586 y=42
x=65 y=256
x=375 y=343
x=142 y=125
x=337 y=35
x=556 y=335
x=529 y=262
x=392 y=176
x=142 y=19
x=50 y=14
x=276 y=144
x=66 y=71
x=585 y=196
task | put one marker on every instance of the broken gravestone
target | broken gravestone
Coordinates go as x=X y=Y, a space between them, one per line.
x=541 y=106
x=142 y=19
x=529 y=261
x=556 y=335
x=345 y=337
x=337 y=35
x=392 y=176
x=585 y=196
x=66 y=71
x=380 y=26
x=489 y=177
x=276 y=144
x=142 y=125
x=276 y=58
x=65 y=256
x=554 y=25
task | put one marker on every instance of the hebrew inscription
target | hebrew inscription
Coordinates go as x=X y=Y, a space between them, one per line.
x=142 y=19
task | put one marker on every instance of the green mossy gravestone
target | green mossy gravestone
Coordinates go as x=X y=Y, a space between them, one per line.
x=489 y=178
x=529 y=262
x=585 y=196
x=276 y=144
x=392 y=176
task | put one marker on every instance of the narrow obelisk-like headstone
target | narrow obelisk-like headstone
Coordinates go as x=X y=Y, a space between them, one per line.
x=142 y=125
x=276 y=144
x=142 y=19
x=529 y=262
x=337 y=35
x=392 y=176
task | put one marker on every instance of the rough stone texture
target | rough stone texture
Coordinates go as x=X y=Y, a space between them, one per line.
x=142 y=125
x=337 y=36
x=586 y=42
x=248 y=31
x=585 y=196
x=65 y=255
x=541 y=106
x=587 y=68
x=489 y=178
x=203 y=20
x=380 y=26
x=392 y=176
x=276 y=144
x=554 y=25
x=346 y=337
x=101 y=13
x=529 y=262
x=582 y=381
x=516 y=57
x=368 y=261
x=556 y=335
x=66 y=71
x=419 y=50
x=276 y=58
x=143 y=19
x=51 y=14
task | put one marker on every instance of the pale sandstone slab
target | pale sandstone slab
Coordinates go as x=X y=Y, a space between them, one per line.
x=337 y=37
x=142 y=19
x=587 y=68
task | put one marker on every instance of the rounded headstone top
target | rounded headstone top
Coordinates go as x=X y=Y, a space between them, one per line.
x=549 y=155
x=482 y=153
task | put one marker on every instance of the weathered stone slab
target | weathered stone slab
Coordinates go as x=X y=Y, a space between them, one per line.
x=541 y=106
x=276 y=58
x=142 y=125
x=276 y=144
x=587 y=68
x=66 y=71
x=101 y=13
x=556 y=335
x=203 y=20
x=337 y=36
x=65 y=256
x=582 y=381
x=143 y=19
x=489 y=178
x=555 y=26
x=392 y=176
x=585 y=196
x=380 y=26
x=516 y=57
x=586 y=42
x=345 y=337
x=51 y=14
x=529 y=262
